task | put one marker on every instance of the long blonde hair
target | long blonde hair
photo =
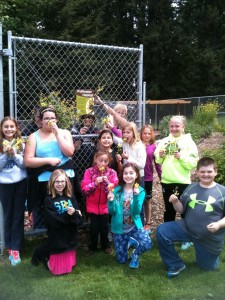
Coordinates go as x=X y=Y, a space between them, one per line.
x=51 y=188
x=132 y=126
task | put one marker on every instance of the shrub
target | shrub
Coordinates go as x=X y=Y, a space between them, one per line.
x=197 y=131
x=219 y=157
x=206 y=114
x=164 y=126
x=65 y=108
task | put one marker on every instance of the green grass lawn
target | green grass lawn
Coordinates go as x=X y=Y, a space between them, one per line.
x=101 y=277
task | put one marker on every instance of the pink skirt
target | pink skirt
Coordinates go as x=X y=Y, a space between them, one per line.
x=62 y=263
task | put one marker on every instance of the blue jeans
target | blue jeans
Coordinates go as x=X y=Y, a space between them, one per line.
x=121 y=243
x=170 y=232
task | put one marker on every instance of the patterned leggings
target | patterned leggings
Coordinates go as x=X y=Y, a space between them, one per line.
x=121 y=243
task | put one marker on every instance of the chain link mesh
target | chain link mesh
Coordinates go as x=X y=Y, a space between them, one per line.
x=43 y=67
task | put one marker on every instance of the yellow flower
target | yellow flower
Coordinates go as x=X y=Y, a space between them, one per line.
x=49 y=123
x=110 y=187
x=99 y=89
x=175 y=192
x=102 y=169
x=106 y=120
x=136 y=185
x=5 y=143
x=124 y=139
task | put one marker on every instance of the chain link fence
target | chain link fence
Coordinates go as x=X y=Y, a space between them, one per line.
x=156 y=112
x=45 y=68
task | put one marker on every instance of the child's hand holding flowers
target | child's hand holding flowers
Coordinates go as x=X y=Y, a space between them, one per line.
x=110 y=196
x=119 y=149
x=173 y=199
x=110 y=187
x=136 y=189
x=70 y=210
x=161 y=153
x=125 y=155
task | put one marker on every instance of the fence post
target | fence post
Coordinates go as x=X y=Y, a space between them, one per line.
x=144 y=103
x=11 y=106
x=1 y=76
x=140 y=83
x=2 y=240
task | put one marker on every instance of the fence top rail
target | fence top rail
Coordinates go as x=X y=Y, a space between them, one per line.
x=199 y=97
x=84 y=45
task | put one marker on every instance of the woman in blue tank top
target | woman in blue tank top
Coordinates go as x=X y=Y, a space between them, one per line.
x=47 y=149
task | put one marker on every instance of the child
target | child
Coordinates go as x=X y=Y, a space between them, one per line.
x=105 y=142
x=178 y=155
x=148 y=138
x=97 y=181
x=204 y=222
x=133 y=148
x=13 y=187
x=62 y=217
x=125 y=204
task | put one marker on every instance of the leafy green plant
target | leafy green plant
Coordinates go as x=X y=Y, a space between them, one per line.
x=206 y=114
x=197 y=131
x=219 y=157
x=65 y=108
x=164 y=126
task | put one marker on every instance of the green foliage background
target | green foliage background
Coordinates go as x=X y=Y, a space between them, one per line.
x=184 y=49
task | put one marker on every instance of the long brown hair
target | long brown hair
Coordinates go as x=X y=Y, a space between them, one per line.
x=16 y=135
x=51 y=188
x=136 y=170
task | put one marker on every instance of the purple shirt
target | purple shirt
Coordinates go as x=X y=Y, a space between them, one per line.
x=117 y=132
x=148 y=170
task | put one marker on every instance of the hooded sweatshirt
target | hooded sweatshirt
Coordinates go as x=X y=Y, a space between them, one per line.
x=177 y=170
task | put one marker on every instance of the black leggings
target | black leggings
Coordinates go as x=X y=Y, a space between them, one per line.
x=168 y=190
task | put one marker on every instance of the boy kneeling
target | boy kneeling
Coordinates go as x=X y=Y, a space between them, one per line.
x=203 y=206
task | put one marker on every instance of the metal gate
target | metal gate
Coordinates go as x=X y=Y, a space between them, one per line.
x=40 y=67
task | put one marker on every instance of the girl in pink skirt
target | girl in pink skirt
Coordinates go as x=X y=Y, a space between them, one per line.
x=63 y=218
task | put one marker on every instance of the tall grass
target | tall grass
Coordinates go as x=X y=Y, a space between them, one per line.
x=101 y=277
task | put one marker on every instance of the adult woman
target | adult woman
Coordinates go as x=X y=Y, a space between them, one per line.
x=47 y=149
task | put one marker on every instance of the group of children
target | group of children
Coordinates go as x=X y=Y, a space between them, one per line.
x=120 y=184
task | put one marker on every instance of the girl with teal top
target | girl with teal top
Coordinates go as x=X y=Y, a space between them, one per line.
x=125 y=204
x=47 y=149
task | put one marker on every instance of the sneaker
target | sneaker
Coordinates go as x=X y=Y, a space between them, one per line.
x=10 y=254
x=186 y=245
x=15 y=258
x=173 y=272
x=108 y=251
x=147 y=229
x=132 y=243
x=89 y=252
x=134 y=263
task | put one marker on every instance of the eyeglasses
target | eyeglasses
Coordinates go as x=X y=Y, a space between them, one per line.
x=49 y=119
x=60 y=182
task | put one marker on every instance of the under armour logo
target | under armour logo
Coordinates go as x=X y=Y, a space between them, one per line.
x=208 y=205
